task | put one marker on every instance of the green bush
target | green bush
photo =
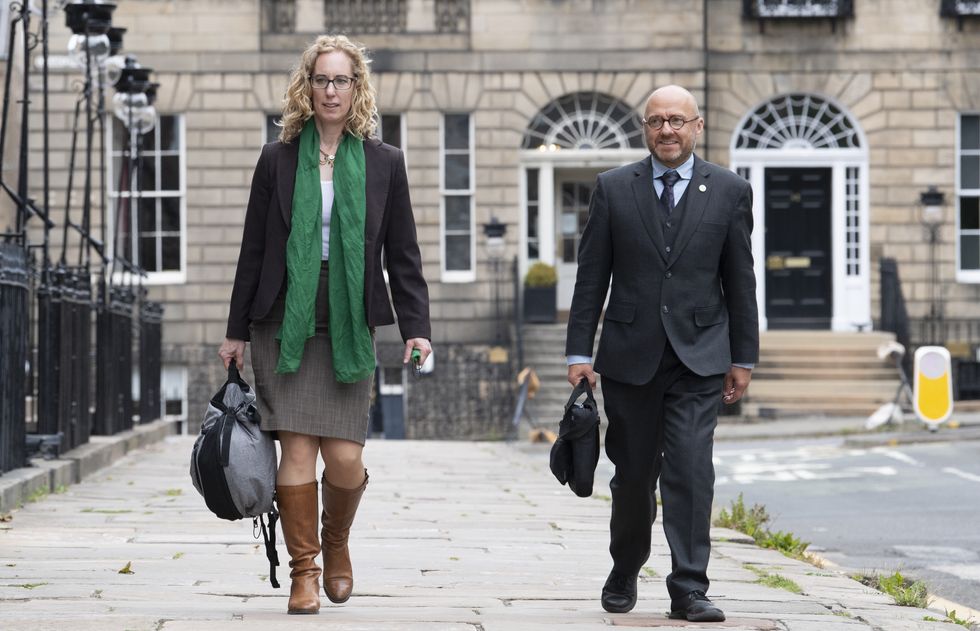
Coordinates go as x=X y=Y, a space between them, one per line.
x=541 y=275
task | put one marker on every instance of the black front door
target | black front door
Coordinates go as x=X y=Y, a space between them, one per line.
x=798 y=265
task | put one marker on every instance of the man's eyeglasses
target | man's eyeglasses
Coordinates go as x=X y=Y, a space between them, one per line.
x=675 y=122
x=340 y=82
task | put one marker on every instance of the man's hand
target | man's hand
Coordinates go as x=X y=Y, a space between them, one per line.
x=424 y=346
x=736 y=381
x=232 y=349
x=577 y=371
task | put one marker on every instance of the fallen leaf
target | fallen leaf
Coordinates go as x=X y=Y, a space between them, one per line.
x=126 y=569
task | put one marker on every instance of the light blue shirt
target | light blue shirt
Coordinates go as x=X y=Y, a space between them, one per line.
x=686 y=171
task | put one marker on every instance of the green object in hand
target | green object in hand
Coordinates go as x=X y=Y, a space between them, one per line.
x=416 y=356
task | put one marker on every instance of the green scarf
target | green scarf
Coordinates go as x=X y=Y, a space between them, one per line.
x=353 y=348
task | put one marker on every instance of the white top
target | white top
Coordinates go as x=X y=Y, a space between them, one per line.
x=326 y=189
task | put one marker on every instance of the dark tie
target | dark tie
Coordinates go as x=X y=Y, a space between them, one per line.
x=669 y=178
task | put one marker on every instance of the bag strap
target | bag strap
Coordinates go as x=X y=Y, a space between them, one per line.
x=235 y=377
x=583 y=387
x=228 y=421
x=269 y=538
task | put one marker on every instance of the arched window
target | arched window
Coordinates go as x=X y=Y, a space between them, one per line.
x=798 y=121
x=585 y=120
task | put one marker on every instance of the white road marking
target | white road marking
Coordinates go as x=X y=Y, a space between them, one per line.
x=969 y=572
x=963 y=474
x=897 y=455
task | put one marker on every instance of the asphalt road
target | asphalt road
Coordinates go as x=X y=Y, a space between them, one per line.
x=914 y=508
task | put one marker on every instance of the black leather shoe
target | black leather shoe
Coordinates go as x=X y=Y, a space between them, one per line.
x=619 y=593
x=697 y=608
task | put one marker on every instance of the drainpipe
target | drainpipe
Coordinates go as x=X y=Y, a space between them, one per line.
x=704 y=53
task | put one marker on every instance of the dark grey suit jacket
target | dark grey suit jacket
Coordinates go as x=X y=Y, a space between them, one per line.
x=700 y=296
x=389 y=226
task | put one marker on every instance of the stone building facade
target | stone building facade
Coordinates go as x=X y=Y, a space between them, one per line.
x=839 y=113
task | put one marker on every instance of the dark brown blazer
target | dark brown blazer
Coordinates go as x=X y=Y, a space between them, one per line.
x=389 y=229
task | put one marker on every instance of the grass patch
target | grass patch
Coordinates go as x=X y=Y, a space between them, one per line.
x=843 y=614
x=969 y=623
x=38 y=495
x=600 y=496
x=107 y=511
x=177 y=555
x=752 y=521
x=779 y=582
x=904 y=591
x=649 y=572
x=174 y=492
x=30 y=585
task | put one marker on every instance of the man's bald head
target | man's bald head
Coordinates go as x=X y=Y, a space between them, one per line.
x=675 y=93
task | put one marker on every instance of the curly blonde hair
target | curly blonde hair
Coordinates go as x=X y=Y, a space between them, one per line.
x=297 y=105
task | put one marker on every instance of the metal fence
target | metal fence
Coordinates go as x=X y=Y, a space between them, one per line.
x=13 y=355
x=49 y=309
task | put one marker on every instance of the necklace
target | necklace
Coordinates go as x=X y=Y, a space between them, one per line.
x=327 y=158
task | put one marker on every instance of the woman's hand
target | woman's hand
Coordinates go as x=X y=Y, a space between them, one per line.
x=232 y=349
x=424 y=346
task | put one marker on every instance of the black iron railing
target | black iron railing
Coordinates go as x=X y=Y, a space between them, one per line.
x=47 y=304
x=13 y=355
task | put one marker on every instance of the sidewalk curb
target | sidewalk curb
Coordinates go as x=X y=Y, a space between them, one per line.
x=911 y=438
x=46 y=476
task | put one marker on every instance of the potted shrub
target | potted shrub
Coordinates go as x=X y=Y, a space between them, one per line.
x=540 y=294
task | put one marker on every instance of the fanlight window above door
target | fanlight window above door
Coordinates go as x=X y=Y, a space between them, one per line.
x=584 y=120
x=798 y=121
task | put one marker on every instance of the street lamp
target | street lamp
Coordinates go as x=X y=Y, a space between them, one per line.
x=495 y=231
x=931 y=203
x=89 y=22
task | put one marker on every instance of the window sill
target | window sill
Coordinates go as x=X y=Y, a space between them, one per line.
x=458 y=277
x=968 y=276
x=155 y=278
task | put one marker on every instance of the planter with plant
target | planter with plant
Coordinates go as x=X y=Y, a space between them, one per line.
x=540 y=294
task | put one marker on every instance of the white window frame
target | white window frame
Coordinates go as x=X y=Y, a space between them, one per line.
x=4 y=28
x=457 y=276
x=973 y=275
x=168 y=277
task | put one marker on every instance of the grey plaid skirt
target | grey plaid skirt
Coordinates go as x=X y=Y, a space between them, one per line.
x=310 y=400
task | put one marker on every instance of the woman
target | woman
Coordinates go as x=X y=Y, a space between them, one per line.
x=326 y=201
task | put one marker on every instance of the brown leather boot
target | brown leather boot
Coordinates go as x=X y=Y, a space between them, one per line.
x=297 y=515
x=339 y=508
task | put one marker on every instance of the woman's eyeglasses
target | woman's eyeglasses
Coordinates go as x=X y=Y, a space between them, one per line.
x=340 y=82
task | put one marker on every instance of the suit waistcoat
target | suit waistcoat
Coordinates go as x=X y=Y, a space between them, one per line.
x=670 y=221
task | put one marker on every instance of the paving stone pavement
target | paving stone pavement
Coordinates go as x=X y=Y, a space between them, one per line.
x=451 y=536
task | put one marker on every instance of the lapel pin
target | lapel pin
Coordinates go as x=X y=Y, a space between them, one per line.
x=702 y=188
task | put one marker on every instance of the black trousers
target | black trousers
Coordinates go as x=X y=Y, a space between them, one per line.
x=664 y=429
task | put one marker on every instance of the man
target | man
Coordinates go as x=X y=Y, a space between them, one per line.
x=681 y=330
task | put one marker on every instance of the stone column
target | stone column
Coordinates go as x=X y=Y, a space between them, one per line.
x=421 y=16
x=309 y=16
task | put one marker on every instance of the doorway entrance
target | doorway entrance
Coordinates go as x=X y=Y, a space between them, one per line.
x=573 y=191
x=807 y=161
x=799 y=275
